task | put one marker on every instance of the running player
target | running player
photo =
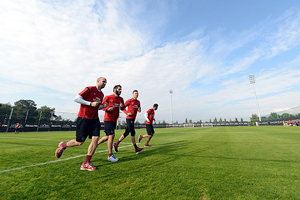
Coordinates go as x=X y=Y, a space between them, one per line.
x=113 y=103
x=88 y=123
x=134 y=106
x=17 y=128
x=149 y=116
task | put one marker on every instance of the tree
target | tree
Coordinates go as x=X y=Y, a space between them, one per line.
x=5 y=110
x=220 y=120
x=242 y=120
x=186 y=121
x=190 y=121
x=254 y=118
x=46 y=113
x=264 y=118
x=215 y=120
x=22 y=107
x=273 y=115
x=286 y=115
x=236 y=120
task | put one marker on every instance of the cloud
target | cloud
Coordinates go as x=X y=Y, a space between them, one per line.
x=64 y=46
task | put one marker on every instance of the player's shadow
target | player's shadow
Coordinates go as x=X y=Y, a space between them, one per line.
x=157 y=149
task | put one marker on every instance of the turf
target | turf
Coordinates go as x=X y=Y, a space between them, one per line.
x=182 y=163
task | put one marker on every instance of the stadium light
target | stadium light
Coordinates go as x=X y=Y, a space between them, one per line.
x=252 y=81
x=171 y=92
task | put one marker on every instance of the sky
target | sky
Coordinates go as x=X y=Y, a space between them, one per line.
x=202 y=50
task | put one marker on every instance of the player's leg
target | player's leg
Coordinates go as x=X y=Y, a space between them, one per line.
x=150 y=133
x=132 y=131
x=103 y=139
x=82 y=128
x=94 y=135
x=148 y=130
x=110 y=133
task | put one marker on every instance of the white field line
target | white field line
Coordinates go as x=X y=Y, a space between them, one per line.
x=44 y=139
x=54 y=161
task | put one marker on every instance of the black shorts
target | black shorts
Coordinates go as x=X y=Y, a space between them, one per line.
x=150 y=130
x=109 y=127
x=87 y=127
x=129 y=127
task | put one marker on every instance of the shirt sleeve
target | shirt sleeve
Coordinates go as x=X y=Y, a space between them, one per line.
x=122 y=101
x=146 y=115
x=105 y=100
x=80 y=100
x=127 y=103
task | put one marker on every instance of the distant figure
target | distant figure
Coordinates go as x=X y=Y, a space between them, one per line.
x=17 y=128
x=149 y=116
x=133 y=106
x=88 y=123
x=0 y=125
x=113 y=103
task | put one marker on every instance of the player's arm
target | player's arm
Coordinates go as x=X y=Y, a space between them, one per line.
x=79 y=99
x=140 y=108
x=105 y=104
x=125 y=106
x=146 y=116
x=122 y=104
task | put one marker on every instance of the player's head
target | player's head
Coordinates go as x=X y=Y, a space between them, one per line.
x=117 y=90
x=135 y=94
x=155 y=106
x=101 y=83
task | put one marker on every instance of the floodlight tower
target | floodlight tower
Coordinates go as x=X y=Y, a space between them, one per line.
x=171 y=92
x=252 y=81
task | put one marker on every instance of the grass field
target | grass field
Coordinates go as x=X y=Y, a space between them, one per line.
x=182 y=163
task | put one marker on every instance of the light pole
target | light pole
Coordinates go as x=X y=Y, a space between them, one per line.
x=171 y=92
x=252 y=81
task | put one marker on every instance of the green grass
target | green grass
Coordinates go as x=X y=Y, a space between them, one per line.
x=182 y=163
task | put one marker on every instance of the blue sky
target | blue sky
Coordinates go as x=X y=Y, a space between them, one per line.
x=203 y=50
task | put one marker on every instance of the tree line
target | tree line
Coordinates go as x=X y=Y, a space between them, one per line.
x=26 y=111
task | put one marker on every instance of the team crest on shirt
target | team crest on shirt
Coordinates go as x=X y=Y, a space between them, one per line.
x=97 y=99
x=115 y=105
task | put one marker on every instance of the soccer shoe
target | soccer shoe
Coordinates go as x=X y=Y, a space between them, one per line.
x=112 y=158
x=138 y=150
x=88 y=167
x=59 y=151
x=140 y=138
x=147 y=145
x=115 y=147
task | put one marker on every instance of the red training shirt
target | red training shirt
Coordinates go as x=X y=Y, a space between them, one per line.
x=133 y=106
x=113 y=101
x=150 y=116
x=93 y=95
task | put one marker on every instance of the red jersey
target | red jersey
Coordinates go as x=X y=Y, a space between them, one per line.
x=91 y=94
x=133 y=106
x=150 y=116
x=113 y=101
x=18 y=126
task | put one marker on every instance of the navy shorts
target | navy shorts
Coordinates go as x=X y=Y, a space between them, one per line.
x=150 y=130
x=129 y=127
x=87 y=127
x=109 y=127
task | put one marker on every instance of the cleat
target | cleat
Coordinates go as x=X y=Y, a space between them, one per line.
x=140 y=138
x=88 y=167
x=138 y=150
x=115 y=147
x=59 y=151
x=147 y=145
x=112 y=158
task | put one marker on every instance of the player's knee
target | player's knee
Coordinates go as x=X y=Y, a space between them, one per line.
x=126 y=134
x=80 y=143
